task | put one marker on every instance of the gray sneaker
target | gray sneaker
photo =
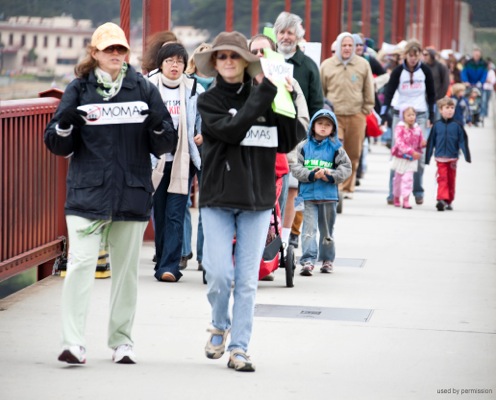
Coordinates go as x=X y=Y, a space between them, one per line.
x=327 y=267
x=307 y=269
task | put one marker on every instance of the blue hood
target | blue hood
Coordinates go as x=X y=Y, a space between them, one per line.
x=329 y=114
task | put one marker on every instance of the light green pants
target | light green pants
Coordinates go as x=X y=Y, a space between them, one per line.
x=125 y=239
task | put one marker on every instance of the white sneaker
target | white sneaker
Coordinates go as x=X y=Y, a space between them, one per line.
x=124 y=354
x=73 y=355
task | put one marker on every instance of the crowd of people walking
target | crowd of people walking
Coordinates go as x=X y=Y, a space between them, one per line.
x=210 y=115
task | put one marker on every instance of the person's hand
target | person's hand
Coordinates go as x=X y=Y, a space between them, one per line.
x=424 y=143
x=428 y=124
x=416 y=155
x=153 y=121
x=259 y=77
x=198 y=139
x=289 y=84
x=384 y=120
x=72 y=116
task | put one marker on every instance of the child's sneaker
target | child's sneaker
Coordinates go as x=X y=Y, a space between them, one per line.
x=307 y=269
x=73 y=355
x=124 y=354
x=406 y=203
x=327 y=267
x=396 y=202
x=449 y=207
x=441 y=205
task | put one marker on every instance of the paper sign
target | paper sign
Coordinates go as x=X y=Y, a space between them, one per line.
x=261 y=136
x=114 y=113
x=275 y=68
x=268 y=31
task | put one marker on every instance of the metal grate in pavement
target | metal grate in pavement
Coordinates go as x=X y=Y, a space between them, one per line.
x=325 y=313
x=349 y=262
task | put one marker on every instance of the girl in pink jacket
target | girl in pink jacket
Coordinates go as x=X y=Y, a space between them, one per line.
x=406 y=151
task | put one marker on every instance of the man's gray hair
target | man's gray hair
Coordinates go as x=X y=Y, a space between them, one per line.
x=287 y=20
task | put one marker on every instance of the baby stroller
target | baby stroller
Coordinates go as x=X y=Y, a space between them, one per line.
x=475 y=105
x=275 y=255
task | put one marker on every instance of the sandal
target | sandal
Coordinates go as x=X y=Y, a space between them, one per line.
x=240 y=361
x=212 y=350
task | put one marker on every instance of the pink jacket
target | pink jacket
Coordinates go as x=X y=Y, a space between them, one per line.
x=407 y=140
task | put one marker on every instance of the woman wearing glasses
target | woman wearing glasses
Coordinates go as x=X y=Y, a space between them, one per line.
x=241 y=136
x=174 y=169
x=100 y=125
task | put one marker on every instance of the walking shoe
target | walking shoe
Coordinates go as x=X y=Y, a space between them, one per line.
x=406 y=203
x=327 y=267
x=269 y=277
x=216 y=345
x=200 y=266
x=396 y=202
x=449 y=207
x=419 y=200
x=441 y=205
x=293 y=240
x=124 y=354
x=307 y=269
x=168 y=277
x=240 y=361
x=390 y=201
x=183 y=263
x=73 y=355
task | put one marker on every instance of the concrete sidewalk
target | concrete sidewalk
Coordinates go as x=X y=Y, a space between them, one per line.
x=408 y=314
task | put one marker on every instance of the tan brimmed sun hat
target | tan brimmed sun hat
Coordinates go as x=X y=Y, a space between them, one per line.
x=233 y=41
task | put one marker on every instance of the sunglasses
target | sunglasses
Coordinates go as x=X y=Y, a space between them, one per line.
x=224 y=56
x=256 y=51
x=111 y=49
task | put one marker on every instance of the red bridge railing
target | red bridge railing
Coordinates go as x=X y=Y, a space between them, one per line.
x=32 y=190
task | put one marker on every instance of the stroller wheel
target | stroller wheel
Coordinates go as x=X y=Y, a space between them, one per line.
x=290 y=265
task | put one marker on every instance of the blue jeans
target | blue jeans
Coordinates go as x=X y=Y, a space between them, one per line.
x=284 y=195
x=418 y=177
x=168 y=211
x=486 y=96
x=219 y=226
x=188 y=230
x=322 y=216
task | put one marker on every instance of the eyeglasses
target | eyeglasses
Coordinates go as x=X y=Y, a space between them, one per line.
x=111 y=49
x=425 y=54
x=224 y=56
x=172 y=61
x=256 y=51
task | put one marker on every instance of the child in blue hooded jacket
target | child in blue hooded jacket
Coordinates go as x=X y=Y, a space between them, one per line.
x=322 y=165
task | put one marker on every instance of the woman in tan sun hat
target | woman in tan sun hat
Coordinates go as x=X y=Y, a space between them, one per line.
x=241 y=135
x=108 y=122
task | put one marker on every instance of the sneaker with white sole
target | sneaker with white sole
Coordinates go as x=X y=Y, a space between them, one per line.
x=124 y=354
x=307 y=269
x=73 y=355
x=327 y=267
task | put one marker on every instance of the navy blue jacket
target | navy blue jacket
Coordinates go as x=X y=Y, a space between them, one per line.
x=446 y=139
x=110 y=170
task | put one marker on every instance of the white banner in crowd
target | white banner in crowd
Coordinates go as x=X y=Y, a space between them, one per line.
x=114 y=113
